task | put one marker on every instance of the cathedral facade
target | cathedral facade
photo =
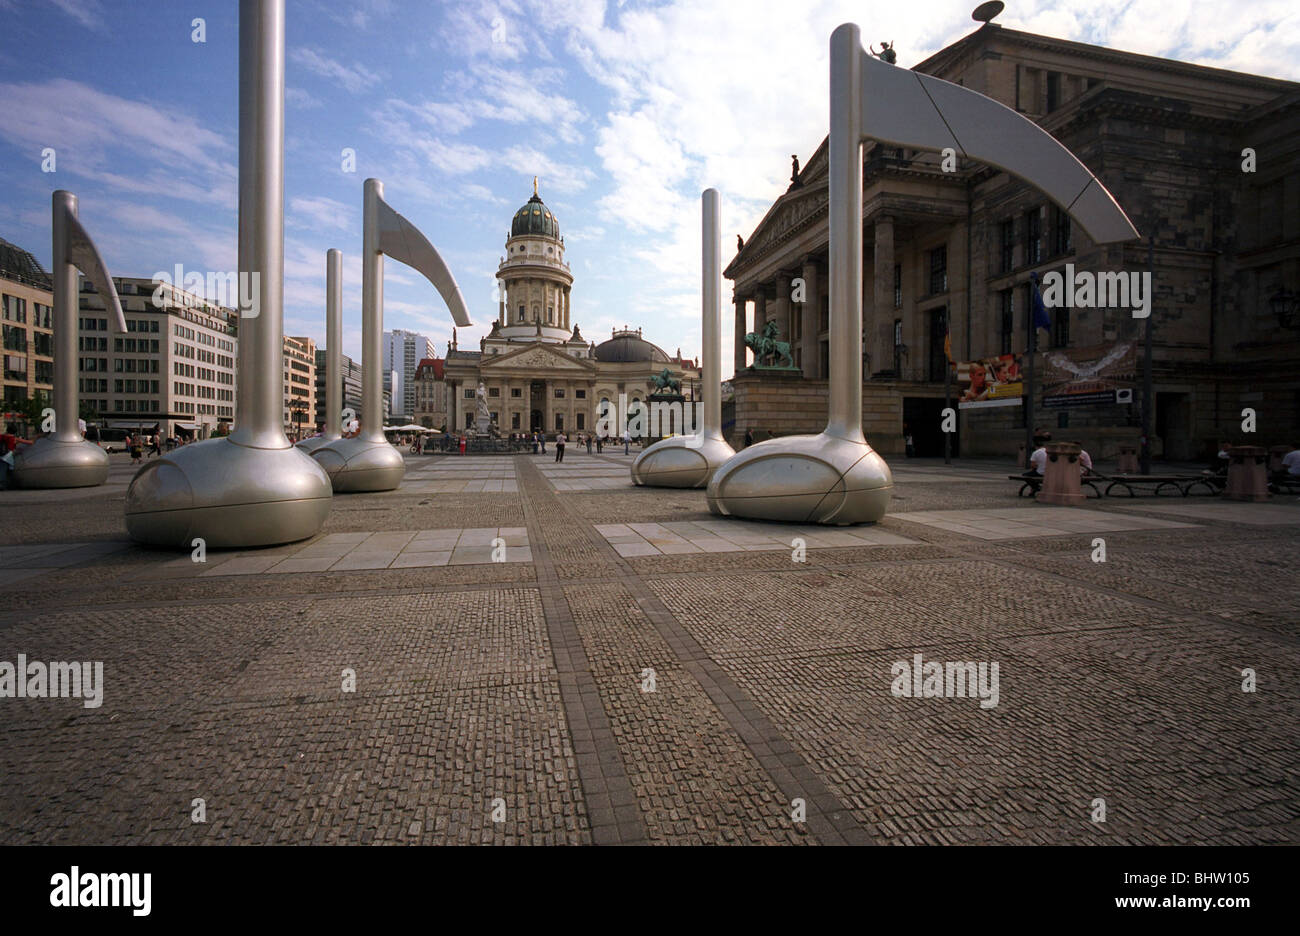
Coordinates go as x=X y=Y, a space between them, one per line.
x=540 y=373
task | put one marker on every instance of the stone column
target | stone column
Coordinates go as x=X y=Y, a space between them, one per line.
x=741 y=327
x=879 y=331
x=810 y=312
x=760 y=309
x=781 y=307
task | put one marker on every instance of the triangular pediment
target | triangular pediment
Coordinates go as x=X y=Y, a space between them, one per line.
x=535 y=355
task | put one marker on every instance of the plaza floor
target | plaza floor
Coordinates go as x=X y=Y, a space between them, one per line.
x=507 y=649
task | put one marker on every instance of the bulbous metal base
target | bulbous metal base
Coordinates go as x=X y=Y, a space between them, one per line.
x=359 y=465
x=54 y=463
x=804 y=479
x=673 y=462
x=315 y=442
x=230 y=495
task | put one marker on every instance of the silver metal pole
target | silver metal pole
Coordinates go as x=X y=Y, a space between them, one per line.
x=372 y=306
x=333 y=343
x=259 y=416
x=711 y=330
x=845 y=146
x=64 y=276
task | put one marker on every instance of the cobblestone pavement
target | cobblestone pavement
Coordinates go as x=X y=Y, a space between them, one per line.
x=388 y=682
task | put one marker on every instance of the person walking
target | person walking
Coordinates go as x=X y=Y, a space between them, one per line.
x=137 y=449
x=560 y=442
x=541 y=436
x=600 y=442
x=749 y=437
x=155 y=447
x=588 y=440
x=627 y=441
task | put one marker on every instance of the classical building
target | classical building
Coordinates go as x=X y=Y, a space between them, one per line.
x=539 y=371
x=1205 y=161
x=25 y=307
x=431 y=394
x=299 y=385
x=402 y=353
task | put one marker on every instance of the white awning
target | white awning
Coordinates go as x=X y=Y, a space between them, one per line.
x=190 y=426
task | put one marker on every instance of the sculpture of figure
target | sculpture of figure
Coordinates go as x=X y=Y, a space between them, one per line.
x=794 y=172
x=664 y=382
x=481 y=403
x=766 y=344
x=740 y=243
x=886 y=53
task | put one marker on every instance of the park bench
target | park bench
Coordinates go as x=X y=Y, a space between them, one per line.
x=1166 y=485
x=1030 y=484
x=1284 y=484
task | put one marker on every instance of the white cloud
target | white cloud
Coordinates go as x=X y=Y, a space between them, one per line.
x=356 y=78
x=86 y=12
x=320 y=213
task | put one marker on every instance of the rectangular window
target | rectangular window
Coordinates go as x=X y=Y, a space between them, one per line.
x=1034 y=236
x=559 y=393
x=514 y=420
x=559 y=422
x=1060 y=326
x=1062 y=239
x=467 y=394
x=938 y=270
x=516 y=393
x=898 y=347
x=494 y=391
x=1008 y=320
x=582 y=421
x=1007 y=245
x=898 y=287
x=1053 y=91
x=581 y=395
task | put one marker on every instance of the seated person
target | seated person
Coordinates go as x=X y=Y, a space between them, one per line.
x=1290 y=471
x=1038 y=460
x=1085 y=460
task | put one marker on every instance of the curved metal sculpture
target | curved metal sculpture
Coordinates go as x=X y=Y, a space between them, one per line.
x=333 y=354
x=251 y=488
x=836 y=477
x=65 y=459
x=368 y=462
x=689 y=461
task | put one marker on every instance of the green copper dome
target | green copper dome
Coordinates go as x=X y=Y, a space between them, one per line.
x=535 y=218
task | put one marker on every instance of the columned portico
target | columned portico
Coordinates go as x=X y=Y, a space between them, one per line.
x=809 y=312
x=879 y=320
x=742 y=326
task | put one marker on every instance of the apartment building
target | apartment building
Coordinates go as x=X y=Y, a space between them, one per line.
x=28 y=335
x=299 y=385
x=350 y=374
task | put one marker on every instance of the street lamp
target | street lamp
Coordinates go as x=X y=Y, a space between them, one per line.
x=298 y=413
x=1283 y=303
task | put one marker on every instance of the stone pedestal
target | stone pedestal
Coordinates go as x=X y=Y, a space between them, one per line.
x=1247 y=474
x=1022 y=456
x=1061 y=476
x=1128 y=459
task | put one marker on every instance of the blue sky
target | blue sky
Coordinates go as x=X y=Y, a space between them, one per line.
x=626 y=111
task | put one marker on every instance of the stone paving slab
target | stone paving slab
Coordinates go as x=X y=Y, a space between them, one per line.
x=1251 y=514
x=708 y=536
x=1032 y=520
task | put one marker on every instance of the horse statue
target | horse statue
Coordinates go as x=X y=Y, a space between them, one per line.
x=665 y=383
x=766 y=345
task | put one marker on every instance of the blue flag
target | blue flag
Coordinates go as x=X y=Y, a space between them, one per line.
x=1041 y=317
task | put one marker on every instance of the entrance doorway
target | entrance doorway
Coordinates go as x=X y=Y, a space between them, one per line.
x=537 y=401
x=923 y=418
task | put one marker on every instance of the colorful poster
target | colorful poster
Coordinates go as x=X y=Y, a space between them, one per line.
x=989 y=382
x=1088 y=376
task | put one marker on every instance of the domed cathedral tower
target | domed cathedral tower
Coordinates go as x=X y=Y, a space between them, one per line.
x=535 y=283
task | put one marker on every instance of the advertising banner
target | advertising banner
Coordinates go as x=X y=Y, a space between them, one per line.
x=1088 y=376
x=994 y=381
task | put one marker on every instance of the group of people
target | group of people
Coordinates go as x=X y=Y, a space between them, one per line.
x=589 y=440
x=1038 y=458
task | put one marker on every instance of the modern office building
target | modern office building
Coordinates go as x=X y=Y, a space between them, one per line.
x=402 y=353
x=350 y=372
x=25 y=310
x=299 y=385
x=172 y=373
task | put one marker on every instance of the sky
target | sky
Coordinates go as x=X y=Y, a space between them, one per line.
x=626 y=111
